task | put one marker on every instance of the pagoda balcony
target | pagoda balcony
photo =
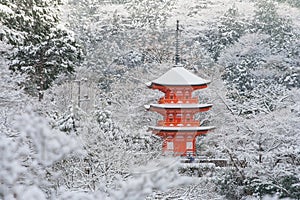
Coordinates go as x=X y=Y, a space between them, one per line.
x=178 y=124
x=164 y=100
x=166 y=131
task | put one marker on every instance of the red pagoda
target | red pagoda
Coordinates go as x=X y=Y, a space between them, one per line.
x=178 y=107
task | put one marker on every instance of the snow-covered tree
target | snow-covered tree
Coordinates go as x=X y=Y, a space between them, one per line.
x=264 y=154
x=149 y=13
x=267 y=20
x=295 y=3
x=254 y=90
x=227 y=31
x=249 y=72
x=111 y=160
x=262 y=64
x=28 y=153
x=43 y=49
x=67 y=122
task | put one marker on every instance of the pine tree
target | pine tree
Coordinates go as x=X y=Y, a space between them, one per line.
x=149 y=13
x=268 y=21
x=225 y=33
x=43 y=49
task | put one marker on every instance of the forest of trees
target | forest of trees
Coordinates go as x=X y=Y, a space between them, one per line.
x=73 y=76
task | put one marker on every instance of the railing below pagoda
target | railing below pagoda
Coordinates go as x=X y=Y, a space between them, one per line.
x=163 y=100
x=178 y=123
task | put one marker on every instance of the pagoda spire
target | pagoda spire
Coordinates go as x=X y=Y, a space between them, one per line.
x=177 y=56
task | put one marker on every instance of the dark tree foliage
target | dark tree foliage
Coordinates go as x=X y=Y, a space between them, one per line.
x=42 y=49
x=267 y=21
x=295 y=3
x=263 y=60
x=226 y=32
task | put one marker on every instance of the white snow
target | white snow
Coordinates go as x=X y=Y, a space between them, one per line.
x=180 y=106
x=5 y=9
x=179 y=76
x=174 y=128
x=38 y=162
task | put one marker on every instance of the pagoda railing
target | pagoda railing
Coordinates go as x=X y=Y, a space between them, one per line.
x=163 y=100
x=175 y=123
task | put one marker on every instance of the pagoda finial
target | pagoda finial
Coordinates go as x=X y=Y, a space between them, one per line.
x=177 y=57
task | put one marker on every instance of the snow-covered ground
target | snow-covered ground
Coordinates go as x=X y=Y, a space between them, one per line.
x=54 y=149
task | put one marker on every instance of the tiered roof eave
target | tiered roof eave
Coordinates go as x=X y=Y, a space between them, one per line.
x=178 y=106
x=181 y=128
x=178 y=76
x=189 y=108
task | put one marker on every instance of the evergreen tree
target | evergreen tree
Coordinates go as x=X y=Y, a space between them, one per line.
x=267 y=21
x=43 y=49
x=224 y=33
x=263 y=63
x=149 y=13
x=295 y=3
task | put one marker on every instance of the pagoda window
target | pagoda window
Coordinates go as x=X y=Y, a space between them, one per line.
x=171 y=117
x=189 y=145
x=170 y=145
x=179 y=93
x=179 y=116
x=171 y=96
x=188 y=117
x=187 y=95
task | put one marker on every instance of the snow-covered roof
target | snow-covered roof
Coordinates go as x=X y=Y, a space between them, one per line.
x=180 y=106
x=181 y=128
x=178 y=76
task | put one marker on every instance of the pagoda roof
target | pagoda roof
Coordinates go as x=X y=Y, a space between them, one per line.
x=178 y=106
x=178 y=76
x=181 y=128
